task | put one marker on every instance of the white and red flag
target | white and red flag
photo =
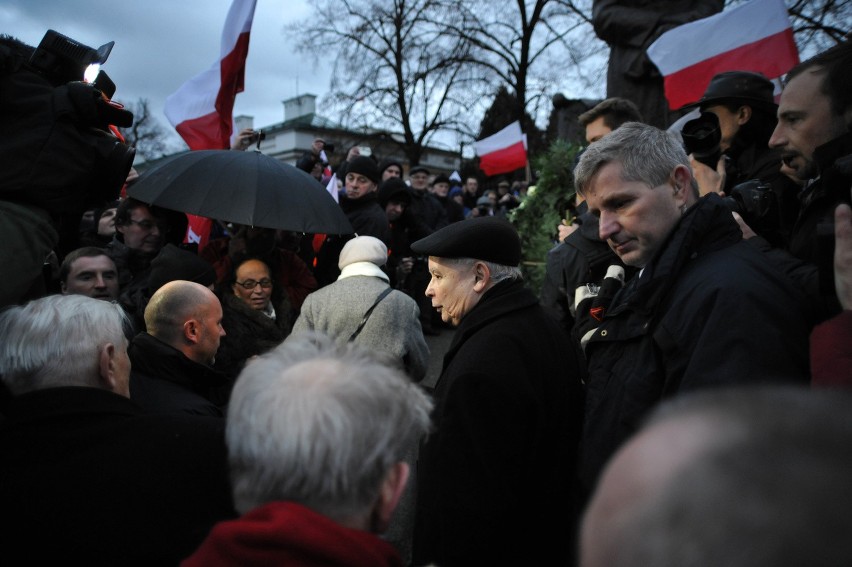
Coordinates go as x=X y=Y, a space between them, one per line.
x=201 y=110
x=754 y=36
x=502 y=152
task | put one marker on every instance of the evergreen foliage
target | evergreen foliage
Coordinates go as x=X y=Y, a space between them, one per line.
x=550 y=201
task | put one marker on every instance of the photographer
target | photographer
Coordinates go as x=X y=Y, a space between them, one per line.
x=315 y=160
x=60 y=155
x=734 y=159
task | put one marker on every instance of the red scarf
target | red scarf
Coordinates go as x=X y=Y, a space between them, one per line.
x=284 y=533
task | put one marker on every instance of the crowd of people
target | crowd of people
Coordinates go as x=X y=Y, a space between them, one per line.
x=663 y=399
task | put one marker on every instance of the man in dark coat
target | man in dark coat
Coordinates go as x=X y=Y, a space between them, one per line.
x=86 y=477
x=496 y=478
x=706 y=310
x=814 y=138
x=172 y=361
x=363 y=211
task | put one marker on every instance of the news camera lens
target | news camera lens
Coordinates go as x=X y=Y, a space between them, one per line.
x=701 y=137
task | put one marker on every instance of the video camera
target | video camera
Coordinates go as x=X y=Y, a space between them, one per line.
x=60 y=148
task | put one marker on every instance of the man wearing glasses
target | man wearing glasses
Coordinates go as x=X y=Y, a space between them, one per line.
x=140 y=233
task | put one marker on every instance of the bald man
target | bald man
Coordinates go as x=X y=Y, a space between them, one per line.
x=171 y=362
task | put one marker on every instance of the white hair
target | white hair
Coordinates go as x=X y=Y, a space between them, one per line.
x=320 y=424
x=499 y=272
x=54 y=341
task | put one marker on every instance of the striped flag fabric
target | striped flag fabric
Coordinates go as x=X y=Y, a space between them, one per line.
x=201 y=110
x=502 y=152
x=755 y=36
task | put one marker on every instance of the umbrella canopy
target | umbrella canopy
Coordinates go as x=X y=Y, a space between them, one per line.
x=247 y=188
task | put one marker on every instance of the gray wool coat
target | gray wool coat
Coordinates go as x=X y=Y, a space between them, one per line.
x=394 y=327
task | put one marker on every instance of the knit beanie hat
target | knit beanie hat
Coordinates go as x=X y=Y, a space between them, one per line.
x=365 y=166
x=173 y=263
x=363 y=249
x=387 y=163
x=393 y=189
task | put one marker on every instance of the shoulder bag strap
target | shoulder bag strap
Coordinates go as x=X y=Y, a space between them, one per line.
x=368 y=313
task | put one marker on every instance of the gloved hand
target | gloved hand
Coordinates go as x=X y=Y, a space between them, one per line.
x=593 y=300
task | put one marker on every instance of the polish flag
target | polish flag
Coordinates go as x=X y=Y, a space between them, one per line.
x=755 y=36
x=502 y=152
x=201 y=110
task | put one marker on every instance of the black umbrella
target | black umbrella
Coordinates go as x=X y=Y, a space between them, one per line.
x=247 y=188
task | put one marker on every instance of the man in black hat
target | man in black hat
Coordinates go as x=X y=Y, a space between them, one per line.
x=363 y=211
x=744 y=105
x=395 y=196
x=508 y=411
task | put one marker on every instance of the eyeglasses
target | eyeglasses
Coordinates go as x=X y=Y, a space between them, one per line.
x=251 y=284
x=144 y=224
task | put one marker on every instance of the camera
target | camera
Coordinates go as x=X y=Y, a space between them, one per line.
x=701 y=137
x=61 y=151
x=756 y=203
x=258 y=136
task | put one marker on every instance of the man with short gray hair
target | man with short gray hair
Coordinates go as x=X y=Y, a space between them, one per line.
x=317 y=436
x=706 y=309
x=86 y=477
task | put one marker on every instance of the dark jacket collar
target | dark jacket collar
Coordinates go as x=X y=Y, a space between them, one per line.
x=68 y=401
x=155 y=359
x=349 y=205
x=827 y=154
x=503 y=298
x=705 y=227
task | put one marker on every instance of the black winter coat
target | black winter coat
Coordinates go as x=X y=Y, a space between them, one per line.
x=248 y=333
x=495 y=480
x=812 y=239
x=709 y=310
x=367 y=217
x=87 y=478
x=164 y=381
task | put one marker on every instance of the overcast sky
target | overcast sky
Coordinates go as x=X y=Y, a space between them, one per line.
x=159 y=44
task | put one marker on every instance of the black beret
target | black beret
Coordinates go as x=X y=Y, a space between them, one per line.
x=418 y=169
x=393 y=189
x=492 y=239
x=365 y=166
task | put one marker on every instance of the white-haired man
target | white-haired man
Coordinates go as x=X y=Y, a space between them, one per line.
x=317 y=433
x=86 y=476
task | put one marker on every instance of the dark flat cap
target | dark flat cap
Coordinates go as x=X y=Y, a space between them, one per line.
x=737 y=85
x=418 y=169
x=492 y=239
